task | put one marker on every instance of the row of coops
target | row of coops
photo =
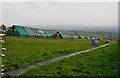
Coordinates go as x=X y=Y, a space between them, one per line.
x=65 y=35
x=21 y=31
x=58 y=35
x=68 y=35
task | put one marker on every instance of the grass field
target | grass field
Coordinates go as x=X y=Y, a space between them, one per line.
x=22 y=52
x=100 y=62
x=0 y=60
x=0 y=52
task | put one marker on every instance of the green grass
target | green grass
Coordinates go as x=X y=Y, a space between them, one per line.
x=100 y=62
x=0 y=60
x=22 y=52
x=0 y=52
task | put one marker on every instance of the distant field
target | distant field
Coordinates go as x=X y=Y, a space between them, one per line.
x=100 y=62
x=22 y=52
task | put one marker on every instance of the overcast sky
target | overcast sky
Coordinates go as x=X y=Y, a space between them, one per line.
x=60 y=13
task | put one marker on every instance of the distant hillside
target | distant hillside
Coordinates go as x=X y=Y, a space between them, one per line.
x=82 y=28
x=103 y=35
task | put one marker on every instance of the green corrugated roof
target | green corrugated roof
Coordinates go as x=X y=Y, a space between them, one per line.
x=35 y=31
x=49 y=35
x=75 y=36
x=21 y=30
x=42 y=33
x=29 y=31
x=67 y=36
x=62 y=34
x=83 y=37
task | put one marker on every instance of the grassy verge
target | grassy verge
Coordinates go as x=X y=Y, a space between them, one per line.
x=22 y=52
x=0 y=60
x=100 y=62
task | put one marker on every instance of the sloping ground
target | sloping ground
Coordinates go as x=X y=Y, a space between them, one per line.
x=22 y=52
x=19 y=71
x=101 y=62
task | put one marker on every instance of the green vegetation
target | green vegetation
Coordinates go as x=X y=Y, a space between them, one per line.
x=22 y=52
x=100 y=62
x=0 y=53
x=0 y=60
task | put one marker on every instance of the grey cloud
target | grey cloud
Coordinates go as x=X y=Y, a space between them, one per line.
x=61 y=13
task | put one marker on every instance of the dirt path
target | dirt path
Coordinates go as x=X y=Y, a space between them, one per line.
x=19 y=71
